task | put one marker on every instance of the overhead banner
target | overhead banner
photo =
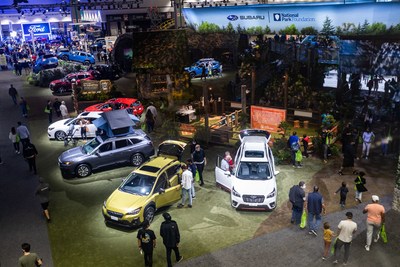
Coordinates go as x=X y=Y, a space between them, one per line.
x=36 y=28
x=278 y=17
x=267 y=118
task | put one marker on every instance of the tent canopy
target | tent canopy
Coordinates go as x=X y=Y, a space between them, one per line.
x=116 y=123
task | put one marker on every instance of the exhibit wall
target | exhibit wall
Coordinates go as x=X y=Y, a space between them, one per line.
x=277 y=17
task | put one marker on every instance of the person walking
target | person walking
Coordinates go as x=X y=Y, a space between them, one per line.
x=13 y=93
x=199 y=158
x=343 y=194
x=24 y=107
x=49 y=111
x=64 y=110
x=193 y=169
x=294 y=146
x=360 y=188
x=146 y=242
x=187 y=181
x=367 y=137
x=29 y=152
x=375 y=219
x=29 y=259
x=42 y=192
x=169 y=231
x=346 y=229
x=203 y=72
x=328 y=234
x=23 y=133
x=315 y=206
x=56 y=106
x=14 y=138
x=297 y=197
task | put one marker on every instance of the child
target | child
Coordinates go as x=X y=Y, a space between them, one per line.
x=343 y=193
x=305 y=141
x=328 y=234
x=359 y=187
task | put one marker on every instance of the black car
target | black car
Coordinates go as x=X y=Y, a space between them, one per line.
x=106 y=72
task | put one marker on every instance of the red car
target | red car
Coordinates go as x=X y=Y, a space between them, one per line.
x=65 y=84
x=132 y=105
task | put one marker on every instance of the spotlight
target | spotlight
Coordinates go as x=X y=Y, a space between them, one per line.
x=33 y=13
x=44 y=12
x=190 y=5
x=22 y=13
x=137 y=6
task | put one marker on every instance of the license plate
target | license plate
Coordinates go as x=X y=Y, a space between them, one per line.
x=253 y=204
x=114 y=218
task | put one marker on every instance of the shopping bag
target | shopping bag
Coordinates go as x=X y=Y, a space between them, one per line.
x=197 y=176
x=333 y=246
x=303 y=222
x=299 y=156
x=383 y=233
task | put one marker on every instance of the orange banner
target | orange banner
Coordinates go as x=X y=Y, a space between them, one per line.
x=267 y=118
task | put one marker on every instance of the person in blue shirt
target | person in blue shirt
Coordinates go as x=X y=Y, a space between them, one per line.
x=315 y=206
x=294 y=146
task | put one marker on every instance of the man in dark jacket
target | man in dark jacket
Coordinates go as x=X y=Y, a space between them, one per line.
x=170 y=233
x=297 y=197
x=42 y=192
x=29 y=152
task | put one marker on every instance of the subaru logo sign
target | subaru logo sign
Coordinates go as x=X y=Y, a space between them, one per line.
x=277 y=17
x=232 y=17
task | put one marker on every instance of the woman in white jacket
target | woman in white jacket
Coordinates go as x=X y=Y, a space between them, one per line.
x=14 y=138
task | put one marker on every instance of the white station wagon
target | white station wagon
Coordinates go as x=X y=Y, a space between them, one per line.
x=252 y=183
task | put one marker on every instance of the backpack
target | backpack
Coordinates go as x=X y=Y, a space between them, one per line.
x=292 y=194
x=294 y=146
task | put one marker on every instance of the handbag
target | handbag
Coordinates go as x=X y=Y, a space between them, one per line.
x=383 y=233
x=197 y=176
x=299 y=156
x=333 y=246
x=303 y=222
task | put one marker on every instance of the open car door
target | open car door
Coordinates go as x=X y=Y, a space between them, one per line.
x=223 y=178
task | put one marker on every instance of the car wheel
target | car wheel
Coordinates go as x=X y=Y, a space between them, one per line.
x=83 y=170
x=61 y=90
x=149 y=214
x=192 y=75
x=59 y=135
x=137 y=159
x=65 y=58
x=87 y=62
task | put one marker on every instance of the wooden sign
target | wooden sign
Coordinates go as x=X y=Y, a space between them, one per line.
x=267 y=118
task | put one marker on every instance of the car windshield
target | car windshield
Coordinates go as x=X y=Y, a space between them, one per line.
x=68 y=120
x=138 y=184
x=253 y=171
x=91 y=145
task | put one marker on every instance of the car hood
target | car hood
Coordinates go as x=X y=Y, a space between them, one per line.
x=95 y=107
x=72 y=154
x=254 y=187
x=58 y=124
x=59 y=81
x=123 y=202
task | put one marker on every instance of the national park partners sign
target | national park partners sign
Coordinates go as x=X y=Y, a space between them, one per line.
x=36 y=28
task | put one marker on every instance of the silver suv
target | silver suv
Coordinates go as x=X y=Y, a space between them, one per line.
x=103 y=152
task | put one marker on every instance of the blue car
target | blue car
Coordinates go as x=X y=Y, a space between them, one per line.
x=196 y=69
x=47 y=61
x=78 y=56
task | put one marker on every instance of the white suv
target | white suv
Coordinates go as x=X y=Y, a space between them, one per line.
x=252 y=183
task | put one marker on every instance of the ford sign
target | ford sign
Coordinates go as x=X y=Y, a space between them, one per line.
x=232 y=17
x=36 y=28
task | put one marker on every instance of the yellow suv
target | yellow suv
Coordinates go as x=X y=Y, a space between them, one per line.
x=153 y=185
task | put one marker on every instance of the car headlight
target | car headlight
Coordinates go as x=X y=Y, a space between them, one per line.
x=104 y=204
x=67 y=163
x=51 y=128
x=235 y=193
x=133 y=211
x=272 y=194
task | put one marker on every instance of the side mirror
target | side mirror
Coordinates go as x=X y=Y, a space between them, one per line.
x=161 y=191
x=276 y=172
